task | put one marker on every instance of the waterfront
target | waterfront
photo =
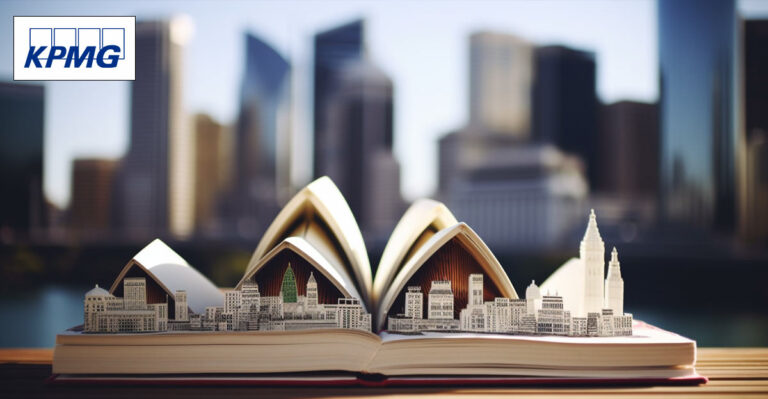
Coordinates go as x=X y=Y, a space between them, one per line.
x=34 y=316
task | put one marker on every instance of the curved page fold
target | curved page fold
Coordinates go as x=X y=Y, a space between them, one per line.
x=304 y=249
x=322 y=199
x=422 y=220
x=172 y=273
x=478 y=249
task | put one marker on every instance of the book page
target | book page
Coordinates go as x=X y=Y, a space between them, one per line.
x=420 y=222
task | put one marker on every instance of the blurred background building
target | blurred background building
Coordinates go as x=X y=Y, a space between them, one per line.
x=91 y=205
x=263 y=137
x=23 y=206
x=754 y=214
x=354 y=129
x=700 y=122
x=213 y=170
x=518 y=190
x=565 y=103
x=500 y=76
x=155 y=187
x=334 y=49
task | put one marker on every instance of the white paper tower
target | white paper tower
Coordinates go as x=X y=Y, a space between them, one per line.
x=592 y=253
x=614 y=286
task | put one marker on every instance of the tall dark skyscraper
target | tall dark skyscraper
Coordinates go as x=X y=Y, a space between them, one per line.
x=754 y=215
x=629 y=150
x=699 y=125
x=156 y=179
x=22 y=203
x=262 y=148
x=358 y=144
x=333 y=50
x=565 y=103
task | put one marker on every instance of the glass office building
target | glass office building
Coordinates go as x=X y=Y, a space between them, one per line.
x=699 y=123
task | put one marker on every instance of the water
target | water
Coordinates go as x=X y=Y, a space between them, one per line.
x=33 y=317
x=709 y=328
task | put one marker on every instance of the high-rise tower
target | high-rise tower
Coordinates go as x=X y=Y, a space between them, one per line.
x=565 y=103
x=500 y=76
x=334 y=49
x=700 y=116
x=156 y=181
x=262 y=139
x=592 y=253
x=614 y=286
x=22 y=110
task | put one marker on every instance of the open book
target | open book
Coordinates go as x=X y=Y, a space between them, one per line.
x=308 y=310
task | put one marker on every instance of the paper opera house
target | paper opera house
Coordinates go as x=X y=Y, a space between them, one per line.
x=441 y=268
x=156 y=290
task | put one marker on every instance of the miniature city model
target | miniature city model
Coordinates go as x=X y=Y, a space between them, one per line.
x=243 y=309
x=602 y=310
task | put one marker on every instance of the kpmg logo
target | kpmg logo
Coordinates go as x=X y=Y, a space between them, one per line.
x=74 y=48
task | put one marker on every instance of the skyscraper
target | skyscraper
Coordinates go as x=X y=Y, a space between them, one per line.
x=699 y=91
x=156 y=187
x=565 y=103
x=22 y=203
x=628 y=144
x=500 y=76
x=212 y=171
x=358 y=146
x=500 y=81
x=333 y=50
x=754 y=212
x=592 y=254
x=514 y=192
x=262 y=149
x=90 y=208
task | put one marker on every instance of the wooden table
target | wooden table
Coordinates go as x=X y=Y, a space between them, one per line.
x=739 y=372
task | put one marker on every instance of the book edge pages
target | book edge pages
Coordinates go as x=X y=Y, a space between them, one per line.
x=231 y=352
x=340 y=339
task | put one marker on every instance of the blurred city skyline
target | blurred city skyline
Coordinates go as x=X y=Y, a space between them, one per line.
x=93 y=121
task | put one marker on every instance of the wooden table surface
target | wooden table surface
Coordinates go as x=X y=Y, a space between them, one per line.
x=741 y=372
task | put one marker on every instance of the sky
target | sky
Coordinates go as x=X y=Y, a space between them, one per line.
x=421 y=45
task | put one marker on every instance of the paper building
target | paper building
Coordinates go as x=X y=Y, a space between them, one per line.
x=603 y=310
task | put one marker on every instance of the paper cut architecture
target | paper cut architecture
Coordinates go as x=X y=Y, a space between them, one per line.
x=105 y=312
x=243 y=309
x=149 y=305
x=602 y=310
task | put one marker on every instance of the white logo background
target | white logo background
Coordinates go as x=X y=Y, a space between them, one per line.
x=74 y=31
